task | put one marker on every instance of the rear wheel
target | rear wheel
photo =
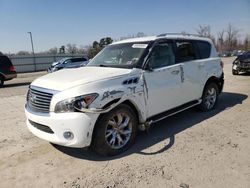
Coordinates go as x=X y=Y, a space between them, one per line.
x=115 y=131
x=1 y=81
x=209 y=97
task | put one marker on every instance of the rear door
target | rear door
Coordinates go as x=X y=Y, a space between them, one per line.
x=192 y=70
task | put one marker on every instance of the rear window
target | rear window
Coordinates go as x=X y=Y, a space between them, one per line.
x=78 y=60
x=204 y=49
x=5 y=61
x=185 y=51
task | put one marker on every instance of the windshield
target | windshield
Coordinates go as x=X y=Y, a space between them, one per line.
x=119 y=55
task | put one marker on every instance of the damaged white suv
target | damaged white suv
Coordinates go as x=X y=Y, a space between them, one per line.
x=129 y=85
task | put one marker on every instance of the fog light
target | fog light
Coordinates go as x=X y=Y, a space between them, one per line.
x=68 y=135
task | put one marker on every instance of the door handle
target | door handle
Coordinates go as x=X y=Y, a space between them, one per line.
x=175 y=72
x=201 y=66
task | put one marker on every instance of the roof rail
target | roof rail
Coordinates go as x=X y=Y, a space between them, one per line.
x=184 y=34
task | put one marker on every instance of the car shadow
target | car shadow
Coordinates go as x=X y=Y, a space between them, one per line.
x=16 y=84
x=164 y=130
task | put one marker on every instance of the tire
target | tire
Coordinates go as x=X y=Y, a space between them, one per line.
x=209 y=97
x=1 y=81
x=109 y=138
x=235 y=72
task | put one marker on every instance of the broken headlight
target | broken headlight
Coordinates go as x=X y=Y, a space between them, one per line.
x=75 y=104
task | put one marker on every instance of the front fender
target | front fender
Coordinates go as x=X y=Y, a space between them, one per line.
x=110 y=98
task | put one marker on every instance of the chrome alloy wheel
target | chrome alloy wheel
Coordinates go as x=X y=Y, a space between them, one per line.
x=210 y=98
x=118 y=130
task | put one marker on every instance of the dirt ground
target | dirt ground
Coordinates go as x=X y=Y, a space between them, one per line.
x=191 y=149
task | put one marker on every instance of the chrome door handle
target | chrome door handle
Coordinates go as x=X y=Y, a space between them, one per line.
x=175 y=72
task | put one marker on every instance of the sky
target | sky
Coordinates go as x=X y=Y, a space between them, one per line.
x=57 y=22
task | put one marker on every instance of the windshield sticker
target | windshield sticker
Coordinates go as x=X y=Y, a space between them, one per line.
x=139 y=46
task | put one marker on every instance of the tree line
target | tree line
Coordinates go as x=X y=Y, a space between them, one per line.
x=226 y=40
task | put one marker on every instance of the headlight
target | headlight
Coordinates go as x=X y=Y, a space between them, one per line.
x=75 y=104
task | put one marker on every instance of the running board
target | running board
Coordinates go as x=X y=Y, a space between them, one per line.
x=171 y=112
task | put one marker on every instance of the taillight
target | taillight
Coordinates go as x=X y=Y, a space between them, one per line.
x=12 y=68
x=221 y=64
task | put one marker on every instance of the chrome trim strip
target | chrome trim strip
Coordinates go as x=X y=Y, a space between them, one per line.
x=176 y=112
x=44 y=90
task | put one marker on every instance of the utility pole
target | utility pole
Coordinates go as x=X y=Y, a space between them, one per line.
x=32 y=45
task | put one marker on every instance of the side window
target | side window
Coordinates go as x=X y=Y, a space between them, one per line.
x=185 y=51
x=82 y=59
x=162 y=55
x=75 y=60
x=204 y=49
x=67 y=61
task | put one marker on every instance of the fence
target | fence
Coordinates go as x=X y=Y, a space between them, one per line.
x=29 y=63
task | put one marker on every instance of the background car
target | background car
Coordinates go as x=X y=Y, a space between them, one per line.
x=241 y=63
x=7 y=70
x=68 y=63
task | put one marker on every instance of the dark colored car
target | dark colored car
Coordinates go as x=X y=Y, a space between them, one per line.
x=68 y=63
x=7 y=70
x=241 y=63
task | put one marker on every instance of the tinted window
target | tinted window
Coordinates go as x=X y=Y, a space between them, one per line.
x=82 y=59
x=204 y=49
x=5 y=61
x=162 y=55
x=185 y=51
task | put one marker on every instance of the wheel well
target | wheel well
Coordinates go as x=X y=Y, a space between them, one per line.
x=127 y=102
x=2 y=76
x=132 y=106
x=217 y=81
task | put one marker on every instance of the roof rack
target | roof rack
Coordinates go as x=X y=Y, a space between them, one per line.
x=184 y=34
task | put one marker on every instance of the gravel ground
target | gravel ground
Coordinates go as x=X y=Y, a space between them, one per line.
x=190 y=149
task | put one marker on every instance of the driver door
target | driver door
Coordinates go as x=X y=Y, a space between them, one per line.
x=163 y=80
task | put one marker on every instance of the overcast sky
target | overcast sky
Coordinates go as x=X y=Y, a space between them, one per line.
x=58 y=22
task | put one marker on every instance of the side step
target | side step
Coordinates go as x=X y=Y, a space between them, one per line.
x=168 y=113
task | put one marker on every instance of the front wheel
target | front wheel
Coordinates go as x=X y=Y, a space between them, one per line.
x=115 y=131
x=235 y=72
x=209 y=97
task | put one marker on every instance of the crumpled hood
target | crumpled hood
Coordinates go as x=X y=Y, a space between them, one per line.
x=244 y=58
x=68 y=78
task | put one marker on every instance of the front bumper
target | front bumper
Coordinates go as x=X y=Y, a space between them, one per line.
x=80 y=124
x=242 y=67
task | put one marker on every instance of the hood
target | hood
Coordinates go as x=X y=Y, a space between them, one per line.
x=55 y=63
x=244 y=58
x=68 y=78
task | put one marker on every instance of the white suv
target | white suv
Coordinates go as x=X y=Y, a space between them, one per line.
x=128 y=86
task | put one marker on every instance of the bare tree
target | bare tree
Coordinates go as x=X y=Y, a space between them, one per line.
x=246 y=43
x=53 y=50
x=221 y=39
x=71 y=48
x=205 y=31
x=231 y=37
x=23 y=53
x=82 y=50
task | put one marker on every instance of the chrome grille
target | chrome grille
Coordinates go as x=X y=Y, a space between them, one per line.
x=38 y=100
